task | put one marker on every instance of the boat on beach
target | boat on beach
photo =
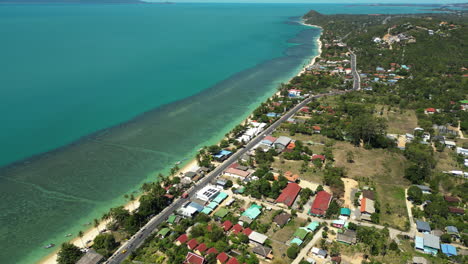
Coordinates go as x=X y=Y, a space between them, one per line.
x=49 y=246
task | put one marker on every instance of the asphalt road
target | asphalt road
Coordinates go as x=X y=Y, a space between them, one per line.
x=137 y=240
x=356 y=77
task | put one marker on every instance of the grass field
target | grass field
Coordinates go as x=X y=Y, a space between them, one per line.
x=398 y=121
x=280 y=237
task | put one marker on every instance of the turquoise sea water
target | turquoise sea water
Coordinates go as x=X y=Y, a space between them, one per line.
x=148 y=84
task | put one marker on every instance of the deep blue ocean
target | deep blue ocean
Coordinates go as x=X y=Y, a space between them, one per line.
x=97 y=99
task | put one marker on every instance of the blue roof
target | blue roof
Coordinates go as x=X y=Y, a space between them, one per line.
x=212 y=205
x=197 y=206
x=448 y=250
x=405 y=67
x=207 y=210
x=424 y=226
x=418 y=242
x=272 y=115
x=452 y=229
x=296 y=241
x=222 y=153
x=220 y=197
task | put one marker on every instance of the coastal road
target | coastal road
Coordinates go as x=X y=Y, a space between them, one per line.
x=137 y=240
x=356 y=77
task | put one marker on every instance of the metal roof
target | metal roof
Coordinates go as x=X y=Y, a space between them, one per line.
x=421 y=225
x=431 y=241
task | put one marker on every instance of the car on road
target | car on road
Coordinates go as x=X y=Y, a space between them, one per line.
x=123 y=251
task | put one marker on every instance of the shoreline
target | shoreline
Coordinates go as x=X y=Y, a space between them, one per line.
x=91 y=232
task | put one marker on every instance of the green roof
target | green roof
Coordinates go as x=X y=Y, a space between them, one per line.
x=345 y=211
x=464 y=101
x=220 y=197
x=207 y=210
x=212 y=205
x=296 y=241
x=312 y=226
x=241 y=190
x=171 y=219
x=221 y=212
x=163 y=232
x=300 y=233
x=253 y=212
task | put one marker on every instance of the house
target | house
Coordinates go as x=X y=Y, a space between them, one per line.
x=450 y=144
x=451 y=199
x=316 y=129
x=336 y=260
x=317 y=156
x=347 y=237
x=245 y=219
x=424 y=189
x=181 y=239
x=221 y=213
x=419 y=260
x=91 y=257
x=368 y=194
x=281 y=143
x=294 y=93
x=319 y=252
x=367 y=206
x=236 y=173
x=456 y=210
x=423 y=227
x=232 y=261
x=208 y=193
x=338 y=223
x=282 y=219
x=296 y=241
x=253 y=211
x=200 y=249
x=430 y=111
x=462 y=151
x=227 y=225
x=320 y=205
x=211 y=251
x=163 y=232
x=192 y=244
x=187 y=211
x=448 y=250
x=312 y=226
x=236 y=229
x=222 y=155
x=269 y=140
x=431 y=244
x=257 y=238
x=262 y=251
x=173 y=219
x=247 y=231
x=289 y=194
x=301 y=233
x=222 y=258
x=220 y=198
x=346 y=212
x=192 y=258
x=452 y=230
x=289 y=176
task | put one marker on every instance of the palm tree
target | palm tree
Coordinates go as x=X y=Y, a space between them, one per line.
x=80 y=234
x=96 y=224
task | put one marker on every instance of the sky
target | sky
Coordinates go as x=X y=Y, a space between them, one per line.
x=324 y=1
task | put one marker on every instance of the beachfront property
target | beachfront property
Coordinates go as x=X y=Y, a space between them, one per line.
x=208 y=193
x=236 y=173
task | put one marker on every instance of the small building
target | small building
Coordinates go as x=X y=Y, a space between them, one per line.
x=257 y=238
x=207 y=193
x=253 y=211
x=462 y=151
x=451 y=199
x=424 y=189
x=263 y=251
x=247 y=231
x=236 y=229
x=163 y=232
x=232 y=261
x=282 y=219
x=236 y=173
x=227 y=225
x=423 y=227
x=296 y=241
x=222 y=258
x=448 y=250
x=301 y=233
x=192 y=244
x=289 y=194
x=338 y=223
x=345 y=212
x=316 y=129
x=91 y=257
x=456 y=210
x=321 y=203
x=200 y=249
x=192 y=258
x=419 y=243
x=221 y=213
x=319 y=157
x=222 y=155
x=181 y=239
x=281 y=143
x=211 y=251
x=220 y=198
x=269 y=140
x=294 y=93
x=347 y=237
x=431 y=244
x=430 y=111
x=319 y=252
x=453 y=231
x=312 y=226
x=367 y=207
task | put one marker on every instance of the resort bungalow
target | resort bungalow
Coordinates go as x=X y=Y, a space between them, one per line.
x=423 y=227
x=226 y=225
x=222 y=258
x=192 y=258
x=289 y=194
x=448 y=250
x=281 y=143
x=192 y=244
x=320 y=205
x=181 y=239
x=347 y=237
x=257 y=238
x=262 y=251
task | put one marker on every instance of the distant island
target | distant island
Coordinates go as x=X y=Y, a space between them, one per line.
x=82 y=2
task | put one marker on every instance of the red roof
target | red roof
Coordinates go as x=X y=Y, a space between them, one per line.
x=236 y=229
x=193 y=243
x=227 y=225
x=321 y=203
x=182 y=238
x=194 y=258
x=209 y=228
x=247 y=231
x=305 y=109
x=430 y=110
x=289 y=194
x=233 y=261
x=456 y=210
x=451 y=199
x=222 y=257
x=270 y=138
x=363 y=205
x=201 y=248
x=212 y=251
x=317 y=128
x=316 y=156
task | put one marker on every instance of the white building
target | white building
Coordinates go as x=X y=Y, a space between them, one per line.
x=208 y=193
x=462 y=151
x=258 y=238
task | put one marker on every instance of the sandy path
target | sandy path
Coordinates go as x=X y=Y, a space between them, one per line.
x=349 y=185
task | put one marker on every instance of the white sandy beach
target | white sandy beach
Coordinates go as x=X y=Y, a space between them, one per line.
x=91 y=233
